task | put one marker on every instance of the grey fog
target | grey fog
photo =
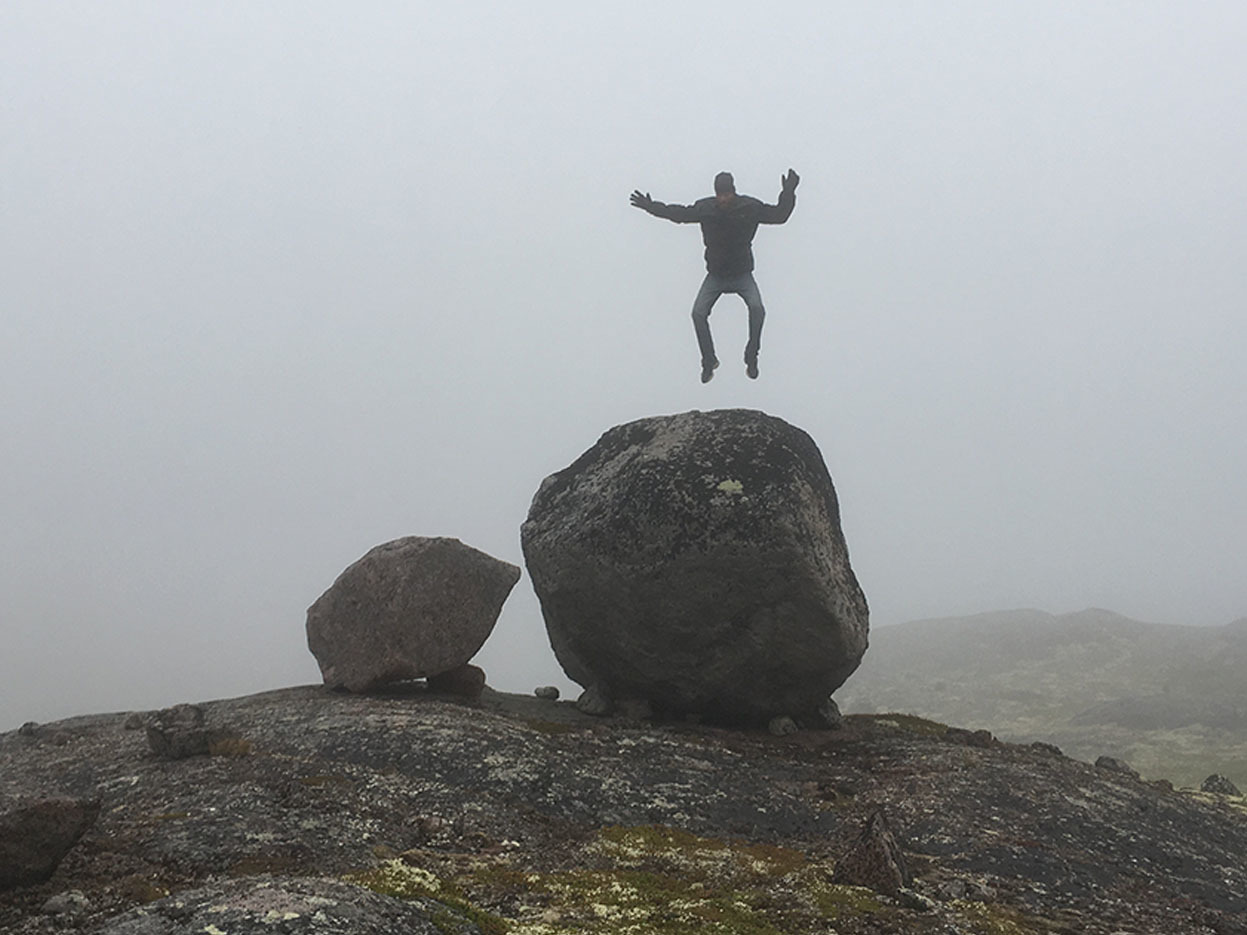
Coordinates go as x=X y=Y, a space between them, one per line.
x=283 y=281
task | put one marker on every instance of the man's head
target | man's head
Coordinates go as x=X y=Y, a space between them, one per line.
x=724 y=187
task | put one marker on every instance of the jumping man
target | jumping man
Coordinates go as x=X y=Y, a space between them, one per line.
x=728 y=222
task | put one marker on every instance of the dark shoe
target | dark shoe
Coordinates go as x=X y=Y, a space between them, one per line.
x=707 y=370
x=751 y=369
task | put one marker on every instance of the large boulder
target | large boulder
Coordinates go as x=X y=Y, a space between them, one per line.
x=696 y=561
x=412 y=608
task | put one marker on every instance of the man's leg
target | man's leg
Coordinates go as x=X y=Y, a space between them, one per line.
x=757 y=314
x=706 y=297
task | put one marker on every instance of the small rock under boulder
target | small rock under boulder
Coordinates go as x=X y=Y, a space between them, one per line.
x=36 y=835
x=412 y=608
x=466 y=681
x=696 y=561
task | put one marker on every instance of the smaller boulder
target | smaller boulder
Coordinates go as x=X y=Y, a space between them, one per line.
x=36 y=835
x=547 y=692
x=408 y=609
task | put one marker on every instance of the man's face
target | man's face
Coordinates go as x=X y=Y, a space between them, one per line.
x=724 y=198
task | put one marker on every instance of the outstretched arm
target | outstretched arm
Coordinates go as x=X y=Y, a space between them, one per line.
x=681 y=214
x=779 y=213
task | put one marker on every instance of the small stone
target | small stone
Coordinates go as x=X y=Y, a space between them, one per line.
x=29 y=729
x=136 y=720
x=828 y=716
x=179 y=732
x=909 y=899
x=782 y=726
x=1112 y=764
x=71 y=902
x=595 y=701
x=547 y=692
x=466 y=681
x=1219 y=785
x=430 y=826
x=1043 y=747
x=980 y=892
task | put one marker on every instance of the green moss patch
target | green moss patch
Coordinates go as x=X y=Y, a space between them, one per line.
x=669 y=850
x=644 y=880
x=401 y=880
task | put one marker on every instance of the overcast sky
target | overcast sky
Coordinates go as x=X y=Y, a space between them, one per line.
x=282 y=281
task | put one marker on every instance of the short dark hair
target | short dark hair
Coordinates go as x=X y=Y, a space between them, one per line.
x=724 y=183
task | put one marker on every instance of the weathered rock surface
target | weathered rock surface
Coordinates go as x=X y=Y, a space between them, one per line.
x=523 y=816
x=411 y=608
x=36 y=833
x=697 y=561
x=264 y=906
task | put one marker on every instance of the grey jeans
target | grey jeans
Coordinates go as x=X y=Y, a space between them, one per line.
x=711 y=288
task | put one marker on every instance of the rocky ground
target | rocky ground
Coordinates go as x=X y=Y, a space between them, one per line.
x=319 y=812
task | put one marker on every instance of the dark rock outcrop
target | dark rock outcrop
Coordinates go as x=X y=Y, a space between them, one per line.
x=37 y=833
x=1113 y=764
x=521 y=815
x=411 y=608
x=697 y=561
x=875 y=860
x=1219 y=785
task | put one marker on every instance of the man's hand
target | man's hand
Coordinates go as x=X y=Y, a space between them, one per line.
x=642 y=201
x=789 y=182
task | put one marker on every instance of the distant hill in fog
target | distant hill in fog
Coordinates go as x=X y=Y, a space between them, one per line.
x=1171 y=700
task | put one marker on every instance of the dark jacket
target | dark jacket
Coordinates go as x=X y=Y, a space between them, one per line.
x=728 y=231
